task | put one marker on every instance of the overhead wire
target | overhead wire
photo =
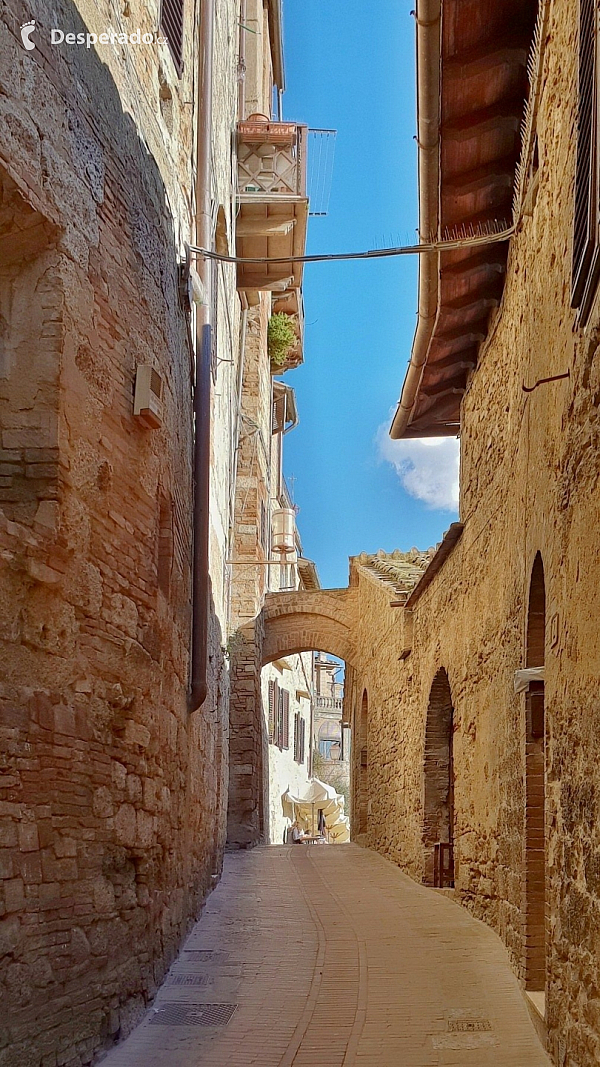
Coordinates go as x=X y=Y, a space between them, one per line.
x=474 y=240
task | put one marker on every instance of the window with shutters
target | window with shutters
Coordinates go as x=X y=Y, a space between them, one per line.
x=586 y=243
x=282 y=727
x=299 y=737
x=171 y=25
x=273 y=705
x=285 y=734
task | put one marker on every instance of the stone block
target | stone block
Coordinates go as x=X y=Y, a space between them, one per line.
x=136 y=734
x=10 y=935
x=28 y=837
x=102 y=803
x=49 y=895
x=7 y=863
x=125 y=825
x=14 y=895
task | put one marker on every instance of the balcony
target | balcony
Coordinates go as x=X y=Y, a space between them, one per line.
x=272 y=209
x=331 y=703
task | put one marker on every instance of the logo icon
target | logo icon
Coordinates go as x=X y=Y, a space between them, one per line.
x=26 y=30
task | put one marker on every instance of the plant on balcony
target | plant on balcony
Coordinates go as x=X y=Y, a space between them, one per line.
x=281 y=338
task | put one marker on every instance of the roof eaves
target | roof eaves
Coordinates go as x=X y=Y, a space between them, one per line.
x=276 y=40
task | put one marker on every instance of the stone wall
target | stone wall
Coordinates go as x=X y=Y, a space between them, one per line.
x=529 y=486
x=112 y=810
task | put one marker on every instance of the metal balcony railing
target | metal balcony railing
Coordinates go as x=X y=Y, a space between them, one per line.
x=272 y=207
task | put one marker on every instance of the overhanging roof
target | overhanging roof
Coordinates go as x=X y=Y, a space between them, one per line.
x=481 y=62
x=307 y=570
x=276 y=41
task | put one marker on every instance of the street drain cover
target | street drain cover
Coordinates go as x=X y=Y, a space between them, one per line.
x=193 y=1014
x=187 y=979
x=468 y=1026
x=204 y=955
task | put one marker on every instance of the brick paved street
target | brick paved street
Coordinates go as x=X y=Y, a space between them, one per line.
x=333 y=957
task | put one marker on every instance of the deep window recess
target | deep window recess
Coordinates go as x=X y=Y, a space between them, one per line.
x=586 y=257
x=299 y=737
x=279 y=708
x=171 y=25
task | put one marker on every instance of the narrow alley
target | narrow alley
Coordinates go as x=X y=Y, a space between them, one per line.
x=323 y=957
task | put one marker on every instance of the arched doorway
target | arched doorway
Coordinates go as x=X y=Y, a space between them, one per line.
x=534 y=905
x=362 y=800
x=438 y=794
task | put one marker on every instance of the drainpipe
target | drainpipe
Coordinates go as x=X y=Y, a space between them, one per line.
x=202 y=383
x=242 y=62
x=428 y=139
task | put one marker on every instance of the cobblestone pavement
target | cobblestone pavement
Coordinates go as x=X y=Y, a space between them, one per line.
x=330 y=956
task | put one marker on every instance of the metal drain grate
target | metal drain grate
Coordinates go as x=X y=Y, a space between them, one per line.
x=204 y=955
x=193 y=1014
x=469 y=1026
x=187 y=979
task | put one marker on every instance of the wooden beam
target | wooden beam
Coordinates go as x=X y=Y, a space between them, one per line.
x=482 y=60
x=253 y=227
x=503 y=116
x=265 y=282
x=444 y=388
x=492 y=260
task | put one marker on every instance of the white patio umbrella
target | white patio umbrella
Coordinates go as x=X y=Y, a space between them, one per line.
x=317 y=796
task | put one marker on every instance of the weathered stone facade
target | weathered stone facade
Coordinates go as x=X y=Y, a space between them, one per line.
x=519 y=589
x=113 y=803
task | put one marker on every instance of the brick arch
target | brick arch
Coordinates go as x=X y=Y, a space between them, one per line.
x=438 y=773
x=302 y=621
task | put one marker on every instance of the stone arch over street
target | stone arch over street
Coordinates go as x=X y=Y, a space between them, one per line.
x=438 y=785
x=300 y=621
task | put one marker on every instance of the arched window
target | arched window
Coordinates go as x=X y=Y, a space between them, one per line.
x=438 y=798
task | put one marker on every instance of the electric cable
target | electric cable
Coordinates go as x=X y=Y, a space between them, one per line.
x=480 y=240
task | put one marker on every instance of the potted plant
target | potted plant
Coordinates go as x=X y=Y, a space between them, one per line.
x=281 y=338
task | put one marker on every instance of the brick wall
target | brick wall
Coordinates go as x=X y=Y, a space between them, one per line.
x=113 y=797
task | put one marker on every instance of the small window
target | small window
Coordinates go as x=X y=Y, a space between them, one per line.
x=171 y=25
x=273 y=705
x=299 y=738
x=282 y=732
x=264 y=527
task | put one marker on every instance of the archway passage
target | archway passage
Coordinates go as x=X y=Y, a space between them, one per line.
x=534 y=906
x=438 y=800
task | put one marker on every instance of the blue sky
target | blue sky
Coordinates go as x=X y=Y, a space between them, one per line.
x=350 y=66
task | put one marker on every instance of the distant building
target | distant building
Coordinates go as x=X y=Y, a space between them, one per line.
x=331 y=738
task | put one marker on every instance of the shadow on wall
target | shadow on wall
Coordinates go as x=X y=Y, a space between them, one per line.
x=115 y=829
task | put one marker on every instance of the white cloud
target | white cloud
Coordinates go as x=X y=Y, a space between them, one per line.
x=427 y=467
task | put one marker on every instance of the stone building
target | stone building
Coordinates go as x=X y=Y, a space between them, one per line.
x=474 y=694
x=331 y=736
x=116 y=157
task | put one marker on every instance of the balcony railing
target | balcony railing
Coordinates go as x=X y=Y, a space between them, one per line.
x=272 y=205
x=336 y=703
